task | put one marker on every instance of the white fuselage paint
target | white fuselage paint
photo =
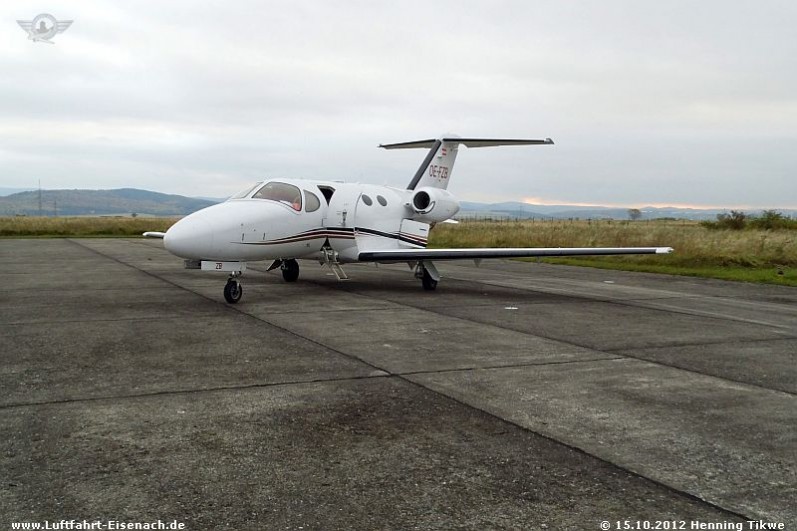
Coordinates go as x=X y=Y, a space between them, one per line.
x=263 y=229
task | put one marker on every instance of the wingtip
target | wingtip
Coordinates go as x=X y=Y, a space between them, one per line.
x=664 y=250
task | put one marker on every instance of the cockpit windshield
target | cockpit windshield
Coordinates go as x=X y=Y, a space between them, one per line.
x=282 y=192
x=246 y=191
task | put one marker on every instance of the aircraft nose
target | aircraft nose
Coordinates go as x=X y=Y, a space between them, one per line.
x=191 y=237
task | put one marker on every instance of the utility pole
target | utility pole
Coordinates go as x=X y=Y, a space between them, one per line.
x=40 y=197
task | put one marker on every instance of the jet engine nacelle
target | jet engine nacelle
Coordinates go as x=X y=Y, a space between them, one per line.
x=433 y=205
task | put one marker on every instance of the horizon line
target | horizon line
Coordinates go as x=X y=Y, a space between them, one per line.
x=693 y=206
x=531 y=201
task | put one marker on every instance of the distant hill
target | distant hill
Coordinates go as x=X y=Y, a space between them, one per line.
x=517 y=210
x=99 y=202
x=125 y=201
x=9 y=191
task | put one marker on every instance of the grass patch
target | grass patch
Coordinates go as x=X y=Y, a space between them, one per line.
x=67 y=227
x=768 y=275
x=753 y=255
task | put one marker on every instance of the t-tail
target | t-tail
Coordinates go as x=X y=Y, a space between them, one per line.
x=435 y=170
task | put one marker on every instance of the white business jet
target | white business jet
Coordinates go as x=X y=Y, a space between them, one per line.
x=337 y=223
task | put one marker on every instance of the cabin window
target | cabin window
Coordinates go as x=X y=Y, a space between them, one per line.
x=367 y=200
x=312 y=203
x=382 y=200
x=286 y=194
x=246 y=191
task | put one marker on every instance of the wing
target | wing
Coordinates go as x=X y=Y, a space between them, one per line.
x=62 y=25
x=27 y=25
x=411 y=255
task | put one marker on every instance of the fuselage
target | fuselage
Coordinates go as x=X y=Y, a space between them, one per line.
x=293 y=218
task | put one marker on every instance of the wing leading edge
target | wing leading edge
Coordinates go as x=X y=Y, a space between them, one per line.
x=403 y=255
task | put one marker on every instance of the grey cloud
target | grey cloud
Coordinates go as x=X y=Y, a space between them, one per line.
x=648 y=102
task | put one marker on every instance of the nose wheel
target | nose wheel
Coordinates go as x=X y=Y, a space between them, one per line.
x=233 y=290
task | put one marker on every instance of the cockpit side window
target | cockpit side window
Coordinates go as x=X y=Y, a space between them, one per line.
x=246 y=191
x=282 y=192
x=312 y=203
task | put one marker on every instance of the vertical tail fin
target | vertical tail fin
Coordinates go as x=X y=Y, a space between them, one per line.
x=436 y=168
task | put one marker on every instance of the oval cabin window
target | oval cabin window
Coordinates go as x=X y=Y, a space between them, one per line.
x=312 y=203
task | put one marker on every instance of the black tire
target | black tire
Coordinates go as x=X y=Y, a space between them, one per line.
x=233 y=291
x=290 y=270
x=429 y=284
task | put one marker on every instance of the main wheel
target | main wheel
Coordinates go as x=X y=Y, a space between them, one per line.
x=429 y=284
x=233 y=291
x=290 y=270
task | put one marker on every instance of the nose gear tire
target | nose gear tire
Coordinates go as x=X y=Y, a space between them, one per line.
x=233 y=291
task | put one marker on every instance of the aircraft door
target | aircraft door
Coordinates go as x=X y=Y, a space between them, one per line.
x=340 y=213
x=338 y=216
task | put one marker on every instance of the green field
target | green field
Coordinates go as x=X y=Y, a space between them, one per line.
x=750 y=255
x=80 y=226
x=753 y=255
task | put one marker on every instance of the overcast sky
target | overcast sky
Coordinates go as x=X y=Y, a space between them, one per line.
x=662 y=103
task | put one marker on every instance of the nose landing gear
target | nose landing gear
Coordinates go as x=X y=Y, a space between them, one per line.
x=233 y=289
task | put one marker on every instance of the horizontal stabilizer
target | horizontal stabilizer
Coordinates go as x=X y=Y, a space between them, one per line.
x=436 y=168
x=151 y=234
x=403 y=255
x=467 y=142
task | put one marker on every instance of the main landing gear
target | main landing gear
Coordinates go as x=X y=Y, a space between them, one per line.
x=290 y=270
x=233 y=290
x=427 y=273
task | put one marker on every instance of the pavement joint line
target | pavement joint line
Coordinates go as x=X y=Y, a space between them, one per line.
x=301 y=312
x=386 y=374
x=404 y=377
x=133 y=396
x=462 y=403
x=61 y=290
x=519 y=277
x=512 y=366
x=707 y=343
x=634 y=302
x=121 y=320
x=704 y=313
x=563 y=291
x=571 y=343
x=432 y=310
x=630 y=303
x=231 y=308
x=581 y=451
